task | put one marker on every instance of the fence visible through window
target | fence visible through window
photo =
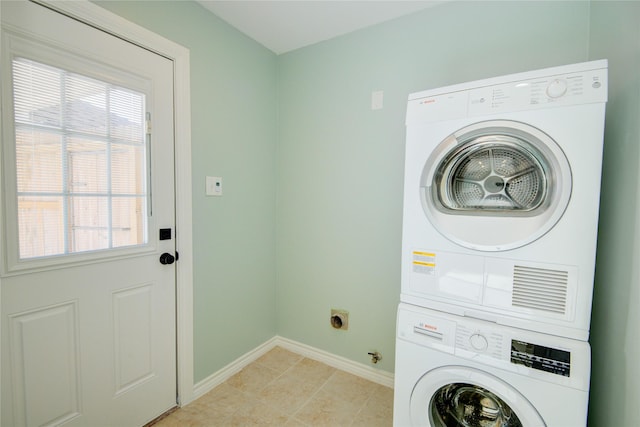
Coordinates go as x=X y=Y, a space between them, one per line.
x=81 y=162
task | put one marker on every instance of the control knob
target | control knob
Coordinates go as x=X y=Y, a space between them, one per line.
x=478 y=342
x=557 y=88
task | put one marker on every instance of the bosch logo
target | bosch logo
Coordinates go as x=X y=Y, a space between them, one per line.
x=430 y=327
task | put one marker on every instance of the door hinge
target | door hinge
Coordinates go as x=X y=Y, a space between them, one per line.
x=148 y=122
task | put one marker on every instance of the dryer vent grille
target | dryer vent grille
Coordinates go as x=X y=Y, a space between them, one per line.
x=540 y=289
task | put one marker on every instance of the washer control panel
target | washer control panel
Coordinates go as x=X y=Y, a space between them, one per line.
x=468 y=340
x=481 y=340
x=475 y=339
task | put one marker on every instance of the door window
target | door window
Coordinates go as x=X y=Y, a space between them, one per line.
x=80 y=162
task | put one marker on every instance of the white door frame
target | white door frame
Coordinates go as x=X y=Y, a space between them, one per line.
x=107 y=21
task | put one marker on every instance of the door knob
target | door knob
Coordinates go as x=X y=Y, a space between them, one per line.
x=167 y=258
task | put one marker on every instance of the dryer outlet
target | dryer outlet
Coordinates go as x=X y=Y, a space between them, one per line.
x=339 y=319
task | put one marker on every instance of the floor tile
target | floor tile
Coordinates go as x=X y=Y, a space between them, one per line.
x=223 y=401
x=252 y=378
x=257 y=414
x=373 y=414
x=312 y=371
x=288 y=392
x=348 y=387
x=282 y=388
x=327 y=409
x=279 y=359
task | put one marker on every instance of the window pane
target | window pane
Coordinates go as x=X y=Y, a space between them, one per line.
x=39 y=161
x=41 y=226
x=87 y=166
x=79 y=142
x=89 y=218
x=128 y=220
x=36 y=99
x=126 y=121
x=85 y=105
x=127 y=165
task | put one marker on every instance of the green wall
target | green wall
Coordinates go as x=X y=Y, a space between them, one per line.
x=615 y=379
x=312 y=211
x=340 y=164
x=234 y=116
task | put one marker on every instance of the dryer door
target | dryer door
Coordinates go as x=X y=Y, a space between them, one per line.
x=455 y=396
x=496 y=185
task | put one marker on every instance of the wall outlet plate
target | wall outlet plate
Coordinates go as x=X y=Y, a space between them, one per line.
x=213 y=186
x=377 y=100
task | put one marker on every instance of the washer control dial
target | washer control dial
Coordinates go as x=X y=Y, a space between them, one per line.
x=557 y=88
x=478 y=342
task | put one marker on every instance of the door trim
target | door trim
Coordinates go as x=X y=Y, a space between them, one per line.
x=109 y=22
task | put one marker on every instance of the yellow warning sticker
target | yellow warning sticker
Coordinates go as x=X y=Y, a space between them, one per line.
x=426 y=254
x=424 y=262
x=428 y=264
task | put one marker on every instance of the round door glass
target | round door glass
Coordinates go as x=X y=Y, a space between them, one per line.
x=466 y=405
x=492 y=173
x=495 y=185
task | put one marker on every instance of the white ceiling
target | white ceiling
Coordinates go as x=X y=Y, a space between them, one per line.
x=282 y=26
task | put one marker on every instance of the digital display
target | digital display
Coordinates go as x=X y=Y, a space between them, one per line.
x=541 y=358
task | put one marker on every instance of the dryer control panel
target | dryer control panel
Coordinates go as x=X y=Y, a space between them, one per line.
x=585 y=83
x=575 y=88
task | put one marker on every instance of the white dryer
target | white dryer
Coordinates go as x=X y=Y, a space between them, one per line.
x=453 y=371
x=502 y=186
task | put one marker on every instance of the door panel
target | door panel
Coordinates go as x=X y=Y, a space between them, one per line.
x=89 y=338
x=56 y=329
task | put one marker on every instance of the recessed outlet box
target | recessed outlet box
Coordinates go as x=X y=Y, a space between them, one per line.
x=339 y=319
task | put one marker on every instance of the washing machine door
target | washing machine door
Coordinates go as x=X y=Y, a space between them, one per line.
x=496 y=185
x=458 y=396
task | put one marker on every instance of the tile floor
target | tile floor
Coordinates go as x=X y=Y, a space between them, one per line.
x=285 y=389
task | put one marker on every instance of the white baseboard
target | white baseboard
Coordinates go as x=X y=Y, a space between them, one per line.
x=367 y=372
x=359 y=369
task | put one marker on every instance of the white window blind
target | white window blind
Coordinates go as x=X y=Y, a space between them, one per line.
x=80 y=162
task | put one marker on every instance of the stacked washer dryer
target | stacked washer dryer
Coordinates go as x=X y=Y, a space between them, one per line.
x=502 y=185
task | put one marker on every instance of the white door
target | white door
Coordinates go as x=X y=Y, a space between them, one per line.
x=88 y=310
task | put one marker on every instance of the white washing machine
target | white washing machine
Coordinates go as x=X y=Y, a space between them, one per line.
x=502 y=186
x=453 y=371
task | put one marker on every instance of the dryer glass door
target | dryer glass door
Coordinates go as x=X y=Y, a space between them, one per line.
x=495 y=185
x=497 y=174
